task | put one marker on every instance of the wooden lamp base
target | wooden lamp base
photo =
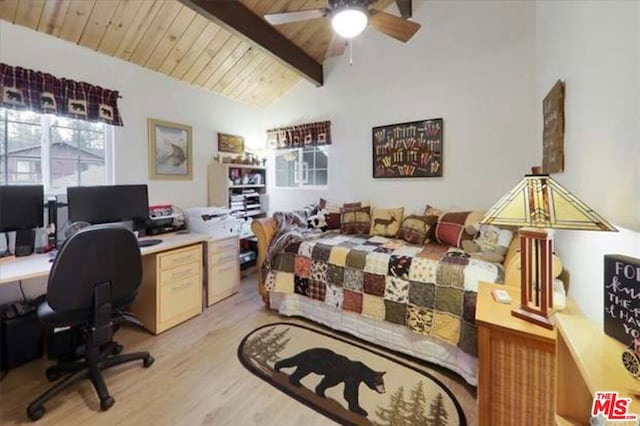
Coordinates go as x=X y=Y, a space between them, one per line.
x=536 y=250
x=534 y=317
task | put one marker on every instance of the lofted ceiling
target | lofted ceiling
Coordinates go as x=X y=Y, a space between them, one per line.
x=171 y=38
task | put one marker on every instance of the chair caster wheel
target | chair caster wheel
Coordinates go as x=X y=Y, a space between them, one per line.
x=117 y=349
x=35 y=413
x=53 y=374
x=148 y=361
x=107 y=403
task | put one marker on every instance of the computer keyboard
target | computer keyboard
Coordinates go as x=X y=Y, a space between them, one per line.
x=148 y=243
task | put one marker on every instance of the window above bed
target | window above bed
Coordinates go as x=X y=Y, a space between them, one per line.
x=302 y=167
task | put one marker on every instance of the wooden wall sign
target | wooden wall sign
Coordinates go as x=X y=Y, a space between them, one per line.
x=622 y=297
x=553 y=133
x=408 y=149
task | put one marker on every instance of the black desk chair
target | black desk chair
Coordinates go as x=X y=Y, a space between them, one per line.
x=95 y=275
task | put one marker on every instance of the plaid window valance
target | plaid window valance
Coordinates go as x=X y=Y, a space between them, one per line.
x=21 y=88
x=308 y=134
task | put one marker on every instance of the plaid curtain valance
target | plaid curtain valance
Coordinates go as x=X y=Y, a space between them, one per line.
x=308 y=134
x=21 y=88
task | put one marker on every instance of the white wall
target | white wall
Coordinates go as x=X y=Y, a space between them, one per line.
x=594 y=47
x=145 y=94
x=472 y=63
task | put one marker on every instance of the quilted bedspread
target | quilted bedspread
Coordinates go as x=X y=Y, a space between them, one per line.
x=431 y=289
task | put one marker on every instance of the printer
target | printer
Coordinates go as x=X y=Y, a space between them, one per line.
x=213 y=221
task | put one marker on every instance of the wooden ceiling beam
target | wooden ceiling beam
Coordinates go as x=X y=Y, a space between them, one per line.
x=240 y=20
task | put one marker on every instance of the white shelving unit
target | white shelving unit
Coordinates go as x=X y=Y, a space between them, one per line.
x=241 y=188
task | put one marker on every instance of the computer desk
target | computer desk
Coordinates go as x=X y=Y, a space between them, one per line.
x=171 y=289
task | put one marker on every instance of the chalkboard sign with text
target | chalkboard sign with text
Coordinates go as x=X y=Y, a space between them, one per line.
x=408 y=149
x=622 y=297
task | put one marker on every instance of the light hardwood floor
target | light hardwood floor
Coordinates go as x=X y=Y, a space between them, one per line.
x=196 y=379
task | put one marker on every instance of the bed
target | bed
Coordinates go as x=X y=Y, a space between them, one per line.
x=417 y=300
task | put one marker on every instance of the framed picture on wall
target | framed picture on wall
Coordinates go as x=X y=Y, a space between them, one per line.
x=553 y=132
x=407 y=150
x=230 y=143
x=170 y=150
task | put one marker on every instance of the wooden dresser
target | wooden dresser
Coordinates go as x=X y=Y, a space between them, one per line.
x=171 y=289
x=223 y=268
x=516 y=364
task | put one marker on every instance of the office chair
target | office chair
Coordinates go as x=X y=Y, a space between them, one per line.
x=94 y=277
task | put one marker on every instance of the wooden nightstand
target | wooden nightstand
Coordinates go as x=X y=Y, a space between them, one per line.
x=516 y=364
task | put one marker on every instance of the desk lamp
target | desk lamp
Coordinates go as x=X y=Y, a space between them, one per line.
x=535 y=204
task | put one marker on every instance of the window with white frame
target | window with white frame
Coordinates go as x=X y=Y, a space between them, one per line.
x=302 y=167
x=53 y=151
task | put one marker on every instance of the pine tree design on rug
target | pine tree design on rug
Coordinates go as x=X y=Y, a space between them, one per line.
x=265 y=347
x=401 y=412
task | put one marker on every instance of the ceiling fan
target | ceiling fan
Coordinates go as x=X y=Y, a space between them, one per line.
x=350 y=17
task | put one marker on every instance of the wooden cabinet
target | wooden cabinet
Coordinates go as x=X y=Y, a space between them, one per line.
x=223 y=269
x=516 y=364
x=171 y=289
x=588 y=361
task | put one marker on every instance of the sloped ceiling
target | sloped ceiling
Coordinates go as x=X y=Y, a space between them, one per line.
x=168 y=37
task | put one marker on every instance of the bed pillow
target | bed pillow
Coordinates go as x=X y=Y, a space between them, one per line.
x=334 y=209
x=433 y=213
x=356 y=221
x=415 y=229
x=450 y=228
x=386 y=222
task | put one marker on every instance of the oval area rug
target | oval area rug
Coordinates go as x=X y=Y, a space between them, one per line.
x=346 y=381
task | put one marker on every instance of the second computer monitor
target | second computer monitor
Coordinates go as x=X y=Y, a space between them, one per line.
x=109 y=203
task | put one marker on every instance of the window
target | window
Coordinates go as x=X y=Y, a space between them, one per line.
x=302 y=167
x=53 y=151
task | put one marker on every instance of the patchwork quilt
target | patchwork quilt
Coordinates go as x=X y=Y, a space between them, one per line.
x=431 y=289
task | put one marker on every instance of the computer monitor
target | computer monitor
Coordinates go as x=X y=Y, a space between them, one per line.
x=108 y=203
x=21 y=207
x=21 y=210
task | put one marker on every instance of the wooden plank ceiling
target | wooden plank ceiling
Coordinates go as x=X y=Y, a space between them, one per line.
x=165 y=36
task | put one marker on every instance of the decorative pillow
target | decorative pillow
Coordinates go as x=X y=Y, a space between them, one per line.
x=386 y=222
x=433 y=213
x=415 y=229
x=356 y=221
x=334 y=209
x=491 y=238
x=450 y=228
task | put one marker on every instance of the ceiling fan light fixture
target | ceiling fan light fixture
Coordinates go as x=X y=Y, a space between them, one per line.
x=349 y=22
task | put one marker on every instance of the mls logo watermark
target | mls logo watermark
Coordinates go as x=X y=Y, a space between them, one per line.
x=608 y=406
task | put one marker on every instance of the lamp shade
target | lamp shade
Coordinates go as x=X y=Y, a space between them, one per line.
x=538 y=201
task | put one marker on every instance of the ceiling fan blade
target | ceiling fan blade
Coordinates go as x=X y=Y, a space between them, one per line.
x=393 y=26
x=300 y=15
x=336 y=46
x=404 y=6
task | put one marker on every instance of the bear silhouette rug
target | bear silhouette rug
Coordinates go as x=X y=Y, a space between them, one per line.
x=346 y=381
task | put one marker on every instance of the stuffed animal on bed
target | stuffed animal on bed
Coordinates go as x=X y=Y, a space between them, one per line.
x=318 y=220
x=490 y=242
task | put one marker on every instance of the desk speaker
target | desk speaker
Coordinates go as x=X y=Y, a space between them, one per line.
x=25 y=239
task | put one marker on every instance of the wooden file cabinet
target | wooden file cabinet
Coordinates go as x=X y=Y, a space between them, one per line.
x=223 y=269
x=516 y=364
x=171 y=289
